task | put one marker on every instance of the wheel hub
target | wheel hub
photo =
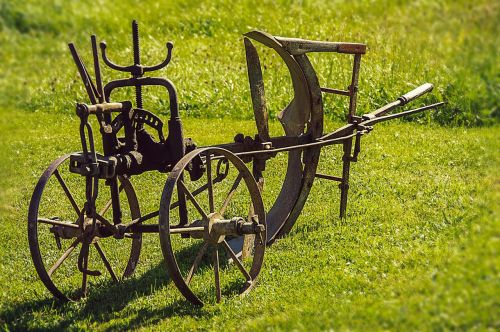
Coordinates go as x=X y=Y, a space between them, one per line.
x=216 y=228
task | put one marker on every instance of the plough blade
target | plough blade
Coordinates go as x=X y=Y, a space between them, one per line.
x=296 y=114
x=257 y=90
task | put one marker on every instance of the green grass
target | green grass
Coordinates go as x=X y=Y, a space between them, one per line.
x=452 y=44
x=418 y=250
x=419 y=247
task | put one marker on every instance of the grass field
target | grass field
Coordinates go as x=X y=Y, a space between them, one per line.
x=419 y=247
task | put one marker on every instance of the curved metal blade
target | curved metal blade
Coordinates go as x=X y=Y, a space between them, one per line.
x=257 y=90
x=296 y=114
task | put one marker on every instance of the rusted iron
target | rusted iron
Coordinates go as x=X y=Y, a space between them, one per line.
x=211 y=206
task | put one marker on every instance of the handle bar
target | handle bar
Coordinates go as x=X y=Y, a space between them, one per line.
x=104 y=108
x=403 y=100
x=372 y=121
x=415 y=93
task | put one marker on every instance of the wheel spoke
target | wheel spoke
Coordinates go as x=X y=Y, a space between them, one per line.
x=210 y=183
x=64 y=256
x=109 y=203
x=216 y=273
x=67 y=192
x=193 y=200
x=196 y=192
x=231 y=193
x=237 y=261
x=105 y=261
x=196 y=262
x=56 y=223
x=106 y=223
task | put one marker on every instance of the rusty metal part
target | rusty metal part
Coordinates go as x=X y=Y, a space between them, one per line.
x=84 y=109
x=296 y=114
x=297 y=46
x=239 y=236
x=136 y=69
x=410 y=96
x=257 y=90
x=215 y=226
x=40 y=227
x=303 y=115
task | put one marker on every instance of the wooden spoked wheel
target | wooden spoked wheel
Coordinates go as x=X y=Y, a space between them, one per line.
x=62 y=239
x=223 y=207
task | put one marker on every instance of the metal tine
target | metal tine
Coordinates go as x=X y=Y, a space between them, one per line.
x=84 y=271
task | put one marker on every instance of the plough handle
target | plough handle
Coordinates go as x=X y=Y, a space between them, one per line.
x=403 y=100
x=415 y=93
x=84 y=109
x=372 y=121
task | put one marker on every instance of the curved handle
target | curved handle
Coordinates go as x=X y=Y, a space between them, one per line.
x=111 y=64
x=165 y=62
x=414 y=94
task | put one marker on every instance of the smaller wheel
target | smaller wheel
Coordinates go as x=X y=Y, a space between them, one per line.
x=61 y=244
x=222 y=210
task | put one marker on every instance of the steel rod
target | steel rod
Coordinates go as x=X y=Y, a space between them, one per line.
x=67 y=192
x=332 y=141
x=196 y=262
x=236 y=261
x=335 y=91
x=64 y=256
x=401 y=114
x=193 y=200
x=328 y=177
x=154 y=228
x=57 y=223
x=105 y=261
x=186 y=230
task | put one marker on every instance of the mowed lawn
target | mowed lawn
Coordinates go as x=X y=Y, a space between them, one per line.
x=418 y=249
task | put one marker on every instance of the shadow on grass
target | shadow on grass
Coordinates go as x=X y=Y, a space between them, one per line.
x=102 y=304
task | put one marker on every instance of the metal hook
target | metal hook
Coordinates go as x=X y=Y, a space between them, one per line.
x=165 y=62
x=111 y=64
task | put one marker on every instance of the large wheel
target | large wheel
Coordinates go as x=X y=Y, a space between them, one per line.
x=58 y=238
x=221 y=208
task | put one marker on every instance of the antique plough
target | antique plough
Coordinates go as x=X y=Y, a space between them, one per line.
x=84 y=215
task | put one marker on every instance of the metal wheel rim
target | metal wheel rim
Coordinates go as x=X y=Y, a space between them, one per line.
x=164 y=222
x=33 y=230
